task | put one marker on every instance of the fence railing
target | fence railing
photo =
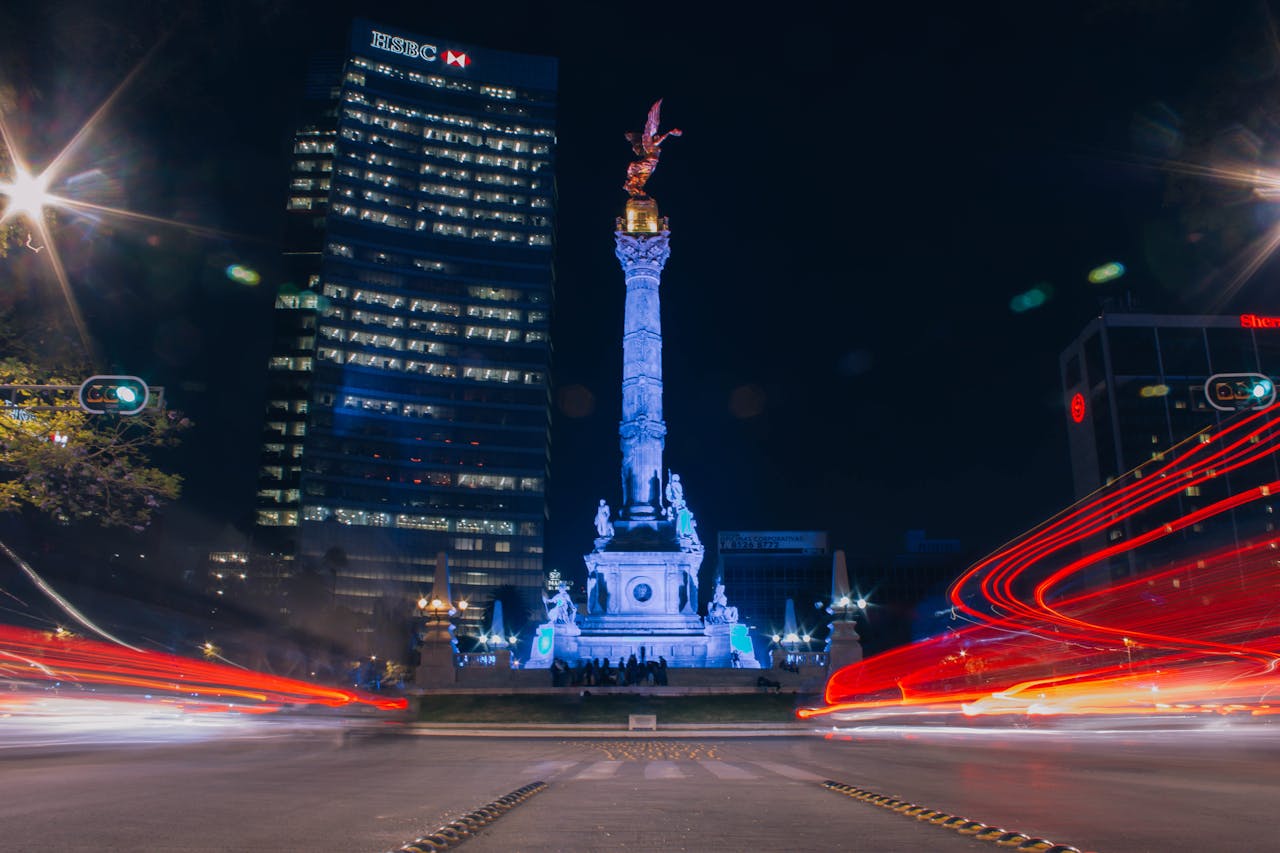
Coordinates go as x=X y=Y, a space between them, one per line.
x=795 y=660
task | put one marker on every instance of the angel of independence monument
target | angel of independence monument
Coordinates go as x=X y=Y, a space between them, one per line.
x=642 y=575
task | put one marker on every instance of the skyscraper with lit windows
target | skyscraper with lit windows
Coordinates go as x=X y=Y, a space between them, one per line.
x=408 y=403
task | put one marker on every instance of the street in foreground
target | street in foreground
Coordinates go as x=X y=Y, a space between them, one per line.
x=334 y=786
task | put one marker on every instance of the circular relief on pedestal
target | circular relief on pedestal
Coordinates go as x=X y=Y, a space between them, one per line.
x=642 y=592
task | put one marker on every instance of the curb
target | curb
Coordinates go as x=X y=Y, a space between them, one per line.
x=452 y=834
x=962 y=825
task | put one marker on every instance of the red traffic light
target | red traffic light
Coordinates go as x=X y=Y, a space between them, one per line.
x=120 y=395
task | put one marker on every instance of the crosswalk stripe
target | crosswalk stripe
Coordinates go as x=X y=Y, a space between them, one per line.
x=789 y=772
x=599 y=770
x=548 y=768
x=727 y=771
x=662 y=770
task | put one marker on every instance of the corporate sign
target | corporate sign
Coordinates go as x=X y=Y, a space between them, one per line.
x=773 y=542
x=416 y=50
x=1253 y=321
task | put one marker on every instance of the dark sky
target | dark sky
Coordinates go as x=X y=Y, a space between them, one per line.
x=858 y=196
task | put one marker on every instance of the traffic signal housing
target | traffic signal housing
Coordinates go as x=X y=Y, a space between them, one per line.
x=1233 y=392
x=116 y=395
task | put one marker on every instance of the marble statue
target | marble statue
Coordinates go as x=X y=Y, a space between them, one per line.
x=560 y=607
x=603 y=528
x=719 y=611
x=675 y=492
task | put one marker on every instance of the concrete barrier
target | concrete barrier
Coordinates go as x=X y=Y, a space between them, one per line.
x=637 y=722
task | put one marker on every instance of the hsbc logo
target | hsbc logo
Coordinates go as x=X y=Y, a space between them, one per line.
x=414 y=50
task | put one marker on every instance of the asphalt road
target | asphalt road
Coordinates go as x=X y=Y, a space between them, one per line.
x=375 y=788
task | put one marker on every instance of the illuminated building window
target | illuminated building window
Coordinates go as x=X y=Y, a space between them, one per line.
x=290 y=363
x=435 y=327
x=300 y=202
x=502 y=547
x=500 y=482
x=491 y=333
x=435 y=307
x=1193 y=491
x=495 y=294
x=489 y=312
x=432 y=347
x=534 y=337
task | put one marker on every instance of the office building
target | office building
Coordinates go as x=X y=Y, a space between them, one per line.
x=762 y=569
x=408 y=395
x=1140 y=388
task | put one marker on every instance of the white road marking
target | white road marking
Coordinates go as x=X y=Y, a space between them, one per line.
x=727 y=771
x=548 y=768
x=662 y=770
x=600 y=770
x=789 y=772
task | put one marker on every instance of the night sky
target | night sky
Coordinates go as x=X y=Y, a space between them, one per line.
x=857 y=198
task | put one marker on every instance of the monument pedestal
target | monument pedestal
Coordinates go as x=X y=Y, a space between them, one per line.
x=844 y=646
x=642 y=598
x=438 y=649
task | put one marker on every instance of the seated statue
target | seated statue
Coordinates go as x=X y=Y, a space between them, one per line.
x=719 y=611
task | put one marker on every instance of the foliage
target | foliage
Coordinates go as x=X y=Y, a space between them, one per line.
x=98 y=466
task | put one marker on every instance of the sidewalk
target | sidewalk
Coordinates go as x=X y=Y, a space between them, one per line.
x=617 y=730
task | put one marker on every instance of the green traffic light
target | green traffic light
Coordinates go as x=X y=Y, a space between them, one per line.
x=125 y=394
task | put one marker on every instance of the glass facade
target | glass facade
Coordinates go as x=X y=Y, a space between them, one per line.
x=1142 y=381
x=409 y=405
x=762 y=569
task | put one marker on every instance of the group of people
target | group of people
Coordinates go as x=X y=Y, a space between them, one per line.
x=594 y=673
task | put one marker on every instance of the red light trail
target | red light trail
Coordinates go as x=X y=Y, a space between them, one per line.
x=30 y=655
x=1158 y=594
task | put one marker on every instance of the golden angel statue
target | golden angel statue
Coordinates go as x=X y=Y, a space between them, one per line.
x=646 y=145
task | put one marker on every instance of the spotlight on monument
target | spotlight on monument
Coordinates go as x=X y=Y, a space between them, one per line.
x=861 y=603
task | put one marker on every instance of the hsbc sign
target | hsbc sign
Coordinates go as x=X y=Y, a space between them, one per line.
x=414 y=50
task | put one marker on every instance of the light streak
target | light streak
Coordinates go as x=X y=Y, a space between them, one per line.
x=67 y=607
x=1188 y=628
x=30 y=655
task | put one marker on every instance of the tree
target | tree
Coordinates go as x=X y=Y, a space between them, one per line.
x=71 y=465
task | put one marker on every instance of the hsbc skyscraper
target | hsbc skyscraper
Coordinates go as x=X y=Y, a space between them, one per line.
x=408 y=405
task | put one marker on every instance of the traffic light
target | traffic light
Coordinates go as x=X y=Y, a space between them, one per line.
x=1229 y=392
x=118 y=395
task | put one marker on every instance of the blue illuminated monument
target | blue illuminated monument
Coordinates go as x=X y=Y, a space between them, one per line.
x=642 y=575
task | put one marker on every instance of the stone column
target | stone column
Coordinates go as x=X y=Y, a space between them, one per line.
x=642 y=430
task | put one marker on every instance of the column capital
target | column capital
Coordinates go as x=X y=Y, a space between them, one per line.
x=642 y=250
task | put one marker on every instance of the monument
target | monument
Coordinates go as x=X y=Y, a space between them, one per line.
x=642 y=575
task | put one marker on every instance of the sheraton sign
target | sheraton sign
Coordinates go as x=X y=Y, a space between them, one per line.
x=414 y=50
x=1254 y=321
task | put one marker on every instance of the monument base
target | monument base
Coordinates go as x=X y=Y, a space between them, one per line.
x=642 y=599
x=436 y=668
x=844 y=646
